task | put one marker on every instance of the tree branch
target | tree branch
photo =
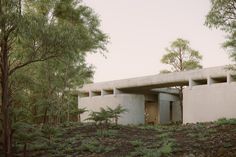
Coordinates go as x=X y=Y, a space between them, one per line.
x=30 y=62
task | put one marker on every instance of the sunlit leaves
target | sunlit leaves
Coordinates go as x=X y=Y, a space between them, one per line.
x=181 y=57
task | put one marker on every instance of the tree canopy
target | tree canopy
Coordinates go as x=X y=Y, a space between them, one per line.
x=43 y=45
x=222 y=15
x=181 y=57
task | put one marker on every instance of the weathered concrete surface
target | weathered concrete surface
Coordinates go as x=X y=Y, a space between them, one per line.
x=164 y=102
x=132 y=102
x=136 y=106
x=209 y=96
x=209 y=102
x=157 y=81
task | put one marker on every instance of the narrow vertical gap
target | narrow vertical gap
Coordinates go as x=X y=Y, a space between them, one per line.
x=171 y=111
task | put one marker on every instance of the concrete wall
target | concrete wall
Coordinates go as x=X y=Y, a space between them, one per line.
x=209 y=102
x=132 y=102
x=164 y=112
x=176 y=115
x=164 y=108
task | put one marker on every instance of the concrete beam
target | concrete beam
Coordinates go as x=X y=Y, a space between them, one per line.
x=158 y=81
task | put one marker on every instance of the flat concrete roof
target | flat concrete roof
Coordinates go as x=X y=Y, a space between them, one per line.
x=158 y=80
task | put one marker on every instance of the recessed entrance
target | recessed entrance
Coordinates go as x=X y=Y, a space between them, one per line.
x=151 y=113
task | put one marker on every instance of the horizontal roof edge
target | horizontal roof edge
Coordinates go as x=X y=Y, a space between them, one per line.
x=152 y=80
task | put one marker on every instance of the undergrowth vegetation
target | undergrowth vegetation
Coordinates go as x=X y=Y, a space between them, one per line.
x=86 y=140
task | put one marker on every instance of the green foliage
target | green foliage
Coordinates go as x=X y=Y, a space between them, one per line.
x=76 y=139
x=181 y=57
x=102 y=117
x=28 y=136
x=165 y=135
x=49 y=132
x=45 y=46
x=225 y=121
x=162 y=147
x=107 y=133
x=106 y=115
x=94 y=146
x=223 y=15
x=116 y=112
x=61 y=35
x=146 y=152
x=136 y=143
x=165 y=150
x=56 y=36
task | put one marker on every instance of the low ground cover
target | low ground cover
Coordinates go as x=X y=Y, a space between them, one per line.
x=216 y=139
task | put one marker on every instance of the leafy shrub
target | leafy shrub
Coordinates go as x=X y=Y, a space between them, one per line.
x=224 y=121
x=27 y=136
x=94 y=146
x=166 y=149
x=144 y=152
x=103 y=118
x=107 y=133
x=116 y=112
x=136 y=143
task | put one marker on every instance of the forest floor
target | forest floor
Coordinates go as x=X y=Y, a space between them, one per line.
x=216 y=139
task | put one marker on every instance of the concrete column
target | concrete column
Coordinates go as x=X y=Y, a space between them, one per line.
x=192 y=83
x=103 y=92
x=116 y=91
x=91 y=94
x=229 y=78
x=210 y=80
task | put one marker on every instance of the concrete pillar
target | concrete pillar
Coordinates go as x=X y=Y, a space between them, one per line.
x=210 y=80
x=116 y=91
x=103 y=92
x=192 y=83
x=229 y=78
x=90 y=94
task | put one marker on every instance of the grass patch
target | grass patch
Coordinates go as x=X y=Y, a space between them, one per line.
x=85 y=140
x=224 y=121
x=94 y=146
x=136 y=143
x=107 y=133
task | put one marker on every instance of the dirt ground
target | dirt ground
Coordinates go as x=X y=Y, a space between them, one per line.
x=191 y=140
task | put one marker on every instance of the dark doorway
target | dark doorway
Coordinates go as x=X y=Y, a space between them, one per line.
x=171 y=111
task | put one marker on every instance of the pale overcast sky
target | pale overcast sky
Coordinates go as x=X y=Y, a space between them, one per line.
x=140 y=30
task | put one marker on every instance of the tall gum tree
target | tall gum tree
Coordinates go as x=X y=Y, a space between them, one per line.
x=180 y=57
x=222 y=15
x=36 y=31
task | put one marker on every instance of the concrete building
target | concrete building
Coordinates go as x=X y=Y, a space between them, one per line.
x=209 y=94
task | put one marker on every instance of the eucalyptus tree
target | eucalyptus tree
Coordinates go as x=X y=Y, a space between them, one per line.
x=38 y=31
x=222 y=15
x=181 y=57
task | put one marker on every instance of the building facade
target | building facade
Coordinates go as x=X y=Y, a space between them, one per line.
x=207 y=96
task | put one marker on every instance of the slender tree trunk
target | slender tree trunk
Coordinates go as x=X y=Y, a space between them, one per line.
x=25 y=149
x=79 y=118
x=181 y=101
x=68 y=113
x=181 y=87
x=116 y=120
x=7 y=143
x=45 y=116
